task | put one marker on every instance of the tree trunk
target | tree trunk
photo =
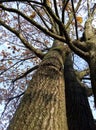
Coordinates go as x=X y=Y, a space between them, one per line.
x=79 y=115
x=43 y=105
x=92 y=66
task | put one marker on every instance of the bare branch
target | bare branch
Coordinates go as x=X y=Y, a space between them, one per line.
x=50 y=33
x=88 y=7
x=17 y=96
x=82 y=73
x=63 y=10
x=9 y=67
x=75 y=19
x=94 y=10
x=8 y=101
x=24 y=74
x=78 y=50
x=39 y=14
x=20 y=1
x=76 y=9
x=56 y=9
x=81 y=45
x=26 y=43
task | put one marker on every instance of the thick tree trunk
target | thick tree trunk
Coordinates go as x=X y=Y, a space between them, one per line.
x=43 y=105
x=92 y=66
x=79 y=115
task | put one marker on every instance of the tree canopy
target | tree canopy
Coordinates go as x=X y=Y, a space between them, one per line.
x=27 y=32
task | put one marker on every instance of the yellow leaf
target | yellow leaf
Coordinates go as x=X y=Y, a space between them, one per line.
x=48 y=2
x=79 y=19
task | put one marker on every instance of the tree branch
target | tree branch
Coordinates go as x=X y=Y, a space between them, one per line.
x=34 y=23
x=78 y=51
x=26 y=43
x=17 y=96
x=71 y=18
x=24 y=74
x=81 y=45
x=94 y=10
x=82 y=73
x=39 y=14
x=56 y=9
x=88 y=8
x=61 y=38
x=74 y=18
x=19 y=1
x=64 y=7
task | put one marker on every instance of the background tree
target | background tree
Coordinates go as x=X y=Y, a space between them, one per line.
x=40 y=35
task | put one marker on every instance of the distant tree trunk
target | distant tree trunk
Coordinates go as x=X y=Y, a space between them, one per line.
x=43 y=105
x=79 y=115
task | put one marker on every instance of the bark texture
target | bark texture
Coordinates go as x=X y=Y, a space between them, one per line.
x=92 y=66
x=43 y=105
x=79 y=115
x=90 y=39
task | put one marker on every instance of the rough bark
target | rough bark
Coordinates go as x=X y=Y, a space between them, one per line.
x=92 y=66
x=90 y=39
x=43 y=105
x=79 y=115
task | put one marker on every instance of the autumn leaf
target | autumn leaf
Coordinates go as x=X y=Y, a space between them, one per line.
x=79 y=19
x=2 y=67
x=10 y=62
x=48 y=2
x=14 y=47
x=4 y=53
x=33 y=15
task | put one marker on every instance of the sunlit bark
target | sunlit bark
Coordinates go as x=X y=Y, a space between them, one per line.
x=43 y=105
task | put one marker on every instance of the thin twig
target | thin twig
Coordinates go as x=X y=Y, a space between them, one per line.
x=76 y=26
x=63 y=10
x=24 y=74
x=56 y=9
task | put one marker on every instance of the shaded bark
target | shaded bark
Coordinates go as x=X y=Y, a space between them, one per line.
x=92 y=66
x=90 y=39
x=79 y=115
x=43 y=105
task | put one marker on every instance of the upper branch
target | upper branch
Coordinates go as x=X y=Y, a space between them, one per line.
x=82 y=73
x=71 y=15
x=74 y=18
x=63 y=10
x=24 y=41
x=94 y=10
x=34 y=23
x=40 y=15
x=64 y=38
x=25 y=73
x=20 y=1
x=56 y=9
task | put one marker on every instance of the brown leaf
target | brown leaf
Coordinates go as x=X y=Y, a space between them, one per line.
x=79 y=19
x=10 y=62
x=2 y=67
x=33 y=15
